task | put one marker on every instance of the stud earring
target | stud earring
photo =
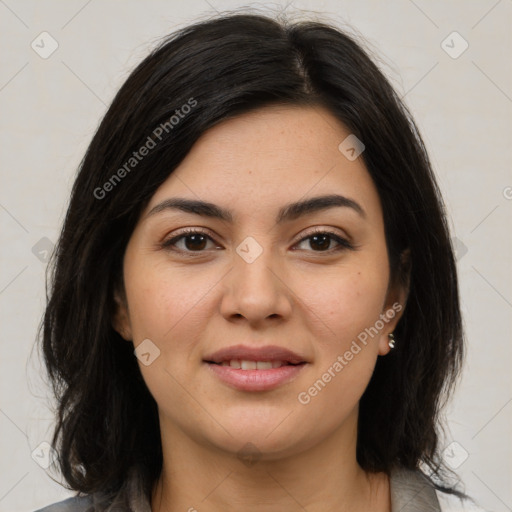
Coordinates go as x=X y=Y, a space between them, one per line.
x=391 y=341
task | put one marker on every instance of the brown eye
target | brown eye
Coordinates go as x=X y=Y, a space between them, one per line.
x=320 y=241
x=195 y=242
x=190 y=240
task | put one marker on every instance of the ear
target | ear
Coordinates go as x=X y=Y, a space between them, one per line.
x=121 y=319
x=396 y=300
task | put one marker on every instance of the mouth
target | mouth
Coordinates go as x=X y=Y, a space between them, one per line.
x=245 y=364
x=246 y=368
x=248 y=377
x=245 y=357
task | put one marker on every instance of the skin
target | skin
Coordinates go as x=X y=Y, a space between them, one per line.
x=312 y=301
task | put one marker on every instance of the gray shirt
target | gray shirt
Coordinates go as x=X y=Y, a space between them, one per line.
x=410 y=490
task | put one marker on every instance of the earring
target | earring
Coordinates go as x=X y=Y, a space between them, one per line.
x=391 y=341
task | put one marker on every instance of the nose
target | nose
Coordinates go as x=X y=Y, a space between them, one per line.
x=257 y=290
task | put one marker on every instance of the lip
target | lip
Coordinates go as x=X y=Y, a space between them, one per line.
x=255 y=380
x=247 y=353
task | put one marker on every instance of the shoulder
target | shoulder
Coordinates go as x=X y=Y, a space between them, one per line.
x=130 y=496
x=452 y=503
x=73 y=504
x=413 y=491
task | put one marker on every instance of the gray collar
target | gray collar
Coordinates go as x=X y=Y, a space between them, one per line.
x=411 y=491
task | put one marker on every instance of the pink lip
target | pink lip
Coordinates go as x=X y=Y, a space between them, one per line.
x=256 y=380
x=246 y=353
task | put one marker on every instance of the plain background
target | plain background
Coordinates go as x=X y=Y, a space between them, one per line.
x=51 y=107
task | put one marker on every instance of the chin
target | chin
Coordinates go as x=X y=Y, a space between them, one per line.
x=269 y=440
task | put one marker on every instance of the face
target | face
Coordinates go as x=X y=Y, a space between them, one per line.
x=312 y=281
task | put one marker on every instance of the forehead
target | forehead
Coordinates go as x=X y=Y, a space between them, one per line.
x=270 y=157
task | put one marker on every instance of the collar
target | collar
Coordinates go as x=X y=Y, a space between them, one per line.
x=411 y=491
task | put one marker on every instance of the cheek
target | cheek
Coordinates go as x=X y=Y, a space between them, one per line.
x=343 y=303
x=164 y=302
x=170 y=307
x=345 y=359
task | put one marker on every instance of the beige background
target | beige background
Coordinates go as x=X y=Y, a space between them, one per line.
x=51 y=106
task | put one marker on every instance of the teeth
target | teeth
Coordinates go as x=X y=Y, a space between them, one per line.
x=264 y=365
x=253 y=365
x=248 y=365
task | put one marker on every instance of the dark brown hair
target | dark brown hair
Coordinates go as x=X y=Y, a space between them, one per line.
x=107 y=421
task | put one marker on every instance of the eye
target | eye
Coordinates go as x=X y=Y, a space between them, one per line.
x=321 y=239
x=194 y=240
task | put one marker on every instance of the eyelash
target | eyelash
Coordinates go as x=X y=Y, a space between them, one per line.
x=343 y=243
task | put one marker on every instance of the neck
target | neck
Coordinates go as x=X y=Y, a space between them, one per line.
x=196 y=477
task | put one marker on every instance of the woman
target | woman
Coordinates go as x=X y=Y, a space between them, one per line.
x=254 y=301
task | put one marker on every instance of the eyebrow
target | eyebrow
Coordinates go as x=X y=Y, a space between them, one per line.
x=288 y=212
